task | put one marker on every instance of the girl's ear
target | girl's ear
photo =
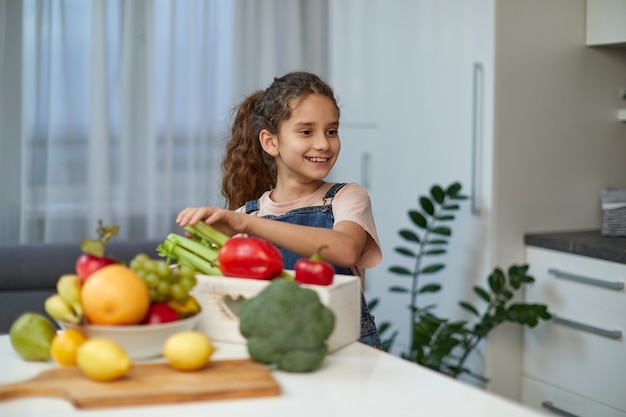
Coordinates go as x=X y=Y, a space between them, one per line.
x=269 y=142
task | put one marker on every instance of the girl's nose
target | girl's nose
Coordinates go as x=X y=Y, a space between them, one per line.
x=321 y=142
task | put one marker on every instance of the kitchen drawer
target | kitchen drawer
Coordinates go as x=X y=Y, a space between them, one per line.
x=579 y=361
x=600 y=285
x=548 y=399
x=582 y=349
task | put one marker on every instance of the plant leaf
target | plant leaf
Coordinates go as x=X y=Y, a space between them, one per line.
x=418 y=219
x=400 y=270
x=496 y=280
x=438 y=194
x=482 y=294
x=467 y=306
x=445 y=217
x=427 y=205
x=405 y=252
x=453 y=189
x=432 y=268
x=437 y=242
x=441 y=230
x=435 y=252
x=451 y=207
x=409 y=235
x=429 y=288
x=398 y=289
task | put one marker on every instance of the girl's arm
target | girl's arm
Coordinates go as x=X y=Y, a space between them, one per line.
x=345 y=242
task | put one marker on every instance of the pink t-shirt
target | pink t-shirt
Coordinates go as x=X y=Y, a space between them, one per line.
x=351 y=203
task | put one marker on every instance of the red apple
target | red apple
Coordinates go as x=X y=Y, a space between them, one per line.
x=87 y=264
x=160 y=313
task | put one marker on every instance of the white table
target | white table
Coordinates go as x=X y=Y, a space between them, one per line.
x=354 y=381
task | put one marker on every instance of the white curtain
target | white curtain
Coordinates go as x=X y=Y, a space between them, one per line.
x=125 y=104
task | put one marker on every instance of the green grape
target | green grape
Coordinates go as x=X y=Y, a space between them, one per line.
x=154 y=294
x=188 y=282
x=163 y=269
x=186 y=270
x=178 y=293
x=152 y=279
x=164 y=288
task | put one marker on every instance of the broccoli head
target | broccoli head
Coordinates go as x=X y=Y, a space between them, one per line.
x=286 y=325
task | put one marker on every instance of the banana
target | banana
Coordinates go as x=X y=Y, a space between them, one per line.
x=59 y=309
x=186 y=309
x=68 y=287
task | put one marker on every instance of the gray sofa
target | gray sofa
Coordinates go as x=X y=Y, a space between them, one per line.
x=29 y=272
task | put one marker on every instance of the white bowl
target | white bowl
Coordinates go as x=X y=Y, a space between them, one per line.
x=139 y=341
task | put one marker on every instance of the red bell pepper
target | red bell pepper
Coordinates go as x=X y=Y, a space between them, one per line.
x=314 y=270
x=250 y=257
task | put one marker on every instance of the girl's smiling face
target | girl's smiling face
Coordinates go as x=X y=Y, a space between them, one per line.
x=307 y=144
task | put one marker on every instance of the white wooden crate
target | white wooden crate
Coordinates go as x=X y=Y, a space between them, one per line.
x=220 y=296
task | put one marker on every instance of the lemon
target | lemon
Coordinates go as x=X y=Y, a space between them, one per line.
x=64 y=346
x=102 y=359
x=188 y=350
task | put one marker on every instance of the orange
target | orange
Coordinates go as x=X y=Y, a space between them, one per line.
x=115 y=295
x=64 y=346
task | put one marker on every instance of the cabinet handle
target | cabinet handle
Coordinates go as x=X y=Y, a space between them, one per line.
x=613 y=285
x=477 y=135
x=611 y=334
x=556 y=410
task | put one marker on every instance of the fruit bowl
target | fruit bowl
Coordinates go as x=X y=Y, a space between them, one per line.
x=142 y=341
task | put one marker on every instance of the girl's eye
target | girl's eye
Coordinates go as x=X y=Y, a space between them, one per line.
x=306 y=132
x=333 y=132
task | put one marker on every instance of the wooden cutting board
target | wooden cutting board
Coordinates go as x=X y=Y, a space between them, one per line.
x=153 y=383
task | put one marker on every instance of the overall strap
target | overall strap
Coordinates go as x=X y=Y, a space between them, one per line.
x=333 y=190
x=252 y=206
x=330 y=194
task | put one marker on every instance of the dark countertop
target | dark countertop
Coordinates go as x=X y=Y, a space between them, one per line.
x=586 y=243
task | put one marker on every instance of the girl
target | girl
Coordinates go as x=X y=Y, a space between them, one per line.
x=284 y=142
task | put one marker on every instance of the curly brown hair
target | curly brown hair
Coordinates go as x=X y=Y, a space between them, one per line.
x=247 y=170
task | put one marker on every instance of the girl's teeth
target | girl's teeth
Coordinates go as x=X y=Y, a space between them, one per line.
x=318 y=159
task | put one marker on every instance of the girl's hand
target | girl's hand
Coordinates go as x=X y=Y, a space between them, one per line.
x=226 y=221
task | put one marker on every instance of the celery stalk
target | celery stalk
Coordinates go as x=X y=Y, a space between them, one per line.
x=188 y=251
x=208 y=233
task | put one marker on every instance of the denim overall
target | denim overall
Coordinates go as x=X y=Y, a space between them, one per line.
x=322 y=216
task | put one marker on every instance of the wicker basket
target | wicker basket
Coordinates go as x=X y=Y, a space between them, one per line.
x=614 y=212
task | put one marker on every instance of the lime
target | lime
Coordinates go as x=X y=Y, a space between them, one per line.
x=103 y=359
x=188 y=350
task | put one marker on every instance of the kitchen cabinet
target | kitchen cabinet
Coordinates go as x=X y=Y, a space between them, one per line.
x=501 y=96
x=605 y=22
x=574 y=362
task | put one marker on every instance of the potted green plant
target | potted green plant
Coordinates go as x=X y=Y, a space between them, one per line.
x=440 y=343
